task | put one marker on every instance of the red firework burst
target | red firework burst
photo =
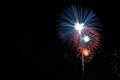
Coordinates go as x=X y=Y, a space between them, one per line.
x=86 y=42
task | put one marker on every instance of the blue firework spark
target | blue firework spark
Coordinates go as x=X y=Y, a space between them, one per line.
x=79 y=25
x=74 y=16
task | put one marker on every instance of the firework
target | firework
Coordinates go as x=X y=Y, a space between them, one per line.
x=87 y=42
x=78 y=27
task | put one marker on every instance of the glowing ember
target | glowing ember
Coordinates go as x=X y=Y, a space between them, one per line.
x=86 y=52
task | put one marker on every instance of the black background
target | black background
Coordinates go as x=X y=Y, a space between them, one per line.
x=34 y=45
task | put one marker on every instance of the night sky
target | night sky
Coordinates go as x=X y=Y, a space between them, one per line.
x=34 y=45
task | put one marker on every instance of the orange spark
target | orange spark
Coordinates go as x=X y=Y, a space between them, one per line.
x=86 y=52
